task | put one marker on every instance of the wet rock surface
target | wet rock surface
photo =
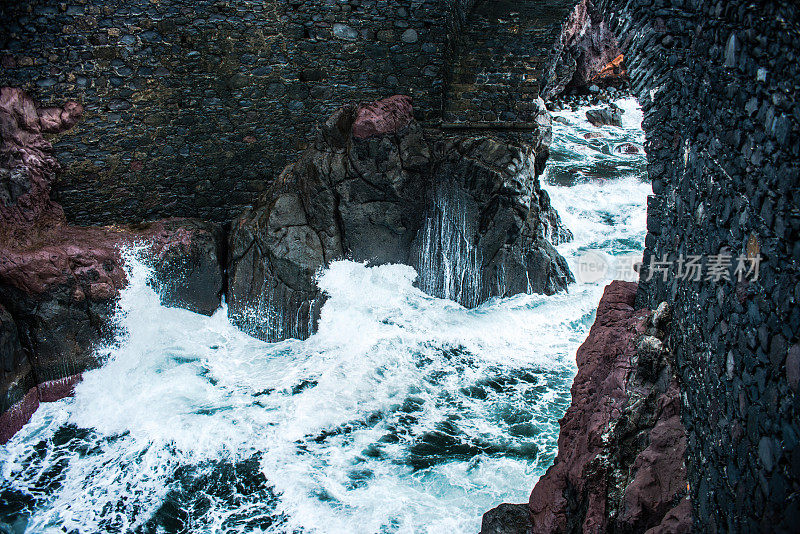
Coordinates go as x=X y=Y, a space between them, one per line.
x=608 y=116
x=62 y=292
x=406 y=195
x=187 y=256
x=621 y=451
x=59 y=283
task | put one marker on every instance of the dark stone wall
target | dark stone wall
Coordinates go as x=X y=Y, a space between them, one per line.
x=192 y=107
x=719 y=82
x=496 y=73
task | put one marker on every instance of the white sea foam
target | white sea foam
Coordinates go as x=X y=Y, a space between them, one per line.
x=404 y=413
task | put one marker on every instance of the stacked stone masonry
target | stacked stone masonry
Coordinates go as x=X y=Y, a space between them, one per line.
x=719 y=82
x=502 y=52
x=194 y=107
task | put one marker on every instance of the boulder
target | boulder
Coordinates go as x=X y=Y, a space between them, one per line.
x=677 y=521
x=608 y=116
x=376 y=187
x=626 y=148
x=383 y=117
x=187 y=259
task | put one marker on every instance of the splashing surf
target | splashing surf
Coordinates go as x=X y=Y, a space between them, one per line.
x=403 y=413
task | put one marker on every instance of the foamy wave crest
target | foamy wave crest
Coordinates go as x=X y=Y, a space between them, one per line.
x=404 y=413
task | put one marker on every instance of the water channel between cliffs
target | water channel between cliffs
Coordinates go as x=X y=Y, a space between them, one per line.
x=404 y=413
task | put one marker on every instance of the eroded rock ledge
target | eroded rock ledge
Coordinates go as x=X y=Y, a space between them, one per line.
x=467 y=212
x=620 y=466
x=59 y=283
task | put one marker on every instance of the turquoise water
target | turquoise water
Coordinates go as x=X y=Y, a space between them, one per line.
x=404 y=413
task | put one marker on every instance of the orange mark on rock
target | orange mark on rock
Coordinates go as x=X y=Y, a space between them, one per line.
x=615 y=69
x=753 y=247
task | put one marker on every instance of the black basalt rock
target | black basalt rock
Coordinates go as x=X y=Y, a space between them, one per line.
x=507 y=519
x=608 y=116
x=396 y=193
x=187 y=271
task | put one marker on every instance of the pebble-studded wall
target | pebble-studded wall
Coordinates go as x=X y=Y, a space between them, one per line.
x=192 y=107
x=495 y=75
x=719 y=82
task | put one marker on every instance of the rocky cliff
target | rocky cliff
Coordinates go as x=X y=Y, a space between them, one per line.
x=466 y=211
x=59 y=283
x=586 y=51
x=621 y=450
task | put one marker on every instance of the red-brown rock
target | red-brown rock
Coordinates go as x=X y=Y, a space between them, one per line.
x=27 y=165
x=59 y=283
x=677 y=521
x=383 y=117
x=15 y=417
x=620 y=464
x=587 y=52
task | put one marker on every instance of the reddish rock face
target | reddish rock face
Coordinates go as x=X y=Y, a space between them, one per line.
x=26 y=164
x=587 y=52
x=614 y=69
x=14 y=418
x=20 y=413
x=59 y=283
x=620 y=464
x=88 y=259
x=383 y=117
x=579 y=490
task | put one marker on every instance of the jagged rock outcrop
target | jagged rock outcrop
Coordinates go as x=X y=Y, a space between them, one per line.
x=621 y=451
x=187 y=257
x=62 y=294
x=610 y=115
x=586 y=52
x=59 y=283
x=27 y=165
x=467 y=212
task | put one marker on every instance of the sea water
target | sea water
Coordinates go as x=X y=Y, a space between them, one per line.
x=404 y=413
